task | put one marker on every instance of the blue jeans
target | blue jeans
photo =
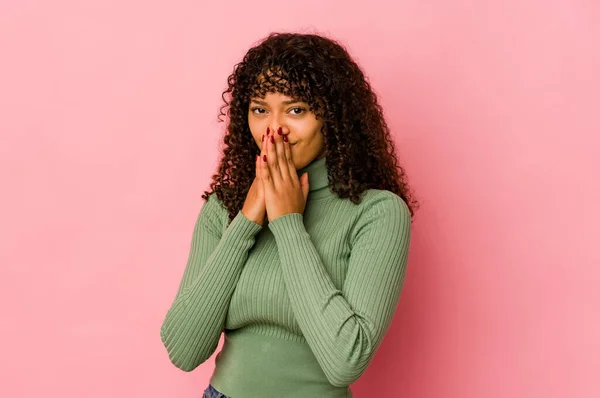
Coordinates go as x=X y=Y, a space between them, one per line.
x=212 y=392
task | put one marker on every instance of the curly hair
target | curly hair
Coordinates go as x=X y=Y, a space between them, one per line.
x=318 y=70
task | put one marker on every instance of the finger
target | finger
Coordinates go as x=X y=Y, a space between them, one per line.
x=259 y=156
x=257 y=167
x=305 y=186
x=264 y=165
x=266 y=137
x=287 y=149
x=281 y=155
x=273 y=162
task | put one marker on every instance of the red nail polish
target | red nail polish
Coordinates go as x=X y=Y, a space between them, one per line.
x=285 y=139
x=265 y=158
x=268 y=130
x=279 y=130
x=272 y=139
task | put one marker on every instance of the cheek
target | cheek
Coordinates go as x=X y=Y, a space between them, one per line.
x=306 y=130
x=254 y=130
x=251 y=123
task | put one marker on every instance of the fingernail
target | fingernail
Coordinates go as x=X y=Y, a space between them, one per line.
x=265 y=158
x=279 y=130
x=272 y=139
x=268 y=130
x=285 y=139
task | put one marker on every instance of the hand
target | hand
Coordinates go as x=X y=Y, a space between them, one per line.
x=284 y=192
x=254 y=206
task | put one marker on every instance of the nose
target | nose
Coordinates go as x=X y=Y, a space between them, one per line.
x=276 y=121
x=275 y=128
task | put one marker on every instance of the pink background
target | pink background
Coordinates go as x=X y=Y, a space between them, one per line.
x=109 y=137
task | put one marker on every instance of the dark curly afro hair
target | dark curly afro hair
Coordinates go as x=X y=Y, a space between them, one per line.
x=360 y=153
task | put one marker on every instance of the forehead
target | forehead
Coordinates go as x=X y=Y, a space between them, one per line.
x=276 y=82
x=275 y=98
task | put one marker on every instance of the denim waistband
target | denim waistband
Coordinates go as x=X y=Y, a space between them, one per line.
x=212 y=392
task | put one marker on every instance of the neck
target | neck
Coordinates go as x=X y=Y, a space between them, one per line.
x=318 y=180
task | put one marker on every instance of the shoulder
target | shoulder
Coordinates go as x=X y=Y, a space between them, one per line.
x=214 y=204
x=213 y=201
x=382 y=214
x=213 y=212
x=383 y=223
x=380 y=202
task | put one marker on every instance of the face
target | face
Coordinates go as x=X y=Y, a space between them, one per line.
x=297 y=122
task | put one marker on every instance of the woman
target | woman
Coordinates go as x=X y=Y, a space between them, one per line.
x=299 y=253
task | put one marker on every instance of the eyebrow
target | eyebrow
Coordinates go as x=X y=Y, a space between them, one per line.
x=289 y=102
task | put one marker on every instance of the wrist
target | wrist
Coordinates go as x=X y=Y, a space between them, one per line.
x=255 y=219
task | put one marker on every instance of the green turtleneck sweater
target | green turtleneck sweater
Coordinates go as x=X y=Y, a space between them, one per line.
x=304 y=301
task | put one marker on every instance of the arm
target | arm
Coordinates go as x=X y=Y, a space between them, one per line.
x=193 y=325
x=345 y=328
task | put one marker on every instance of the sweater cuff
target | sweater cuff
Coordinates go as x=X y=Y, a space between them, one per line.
x=242 y=228
x=288 y=226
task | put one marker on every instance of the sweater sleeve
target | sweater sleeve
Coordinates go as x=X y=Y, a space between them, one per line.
x=345 y=328
x=193 y=324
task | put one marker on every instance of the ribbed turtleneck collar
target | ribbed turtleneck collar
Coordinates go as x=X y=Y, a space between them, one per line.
x=317 y=178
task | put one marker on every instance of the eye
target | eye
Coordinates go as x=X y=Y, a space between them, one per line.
x=258 y=110
x=297 y=111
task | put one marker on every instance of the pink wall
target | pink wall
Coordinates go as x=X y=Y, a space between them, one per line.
x=108 y=137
